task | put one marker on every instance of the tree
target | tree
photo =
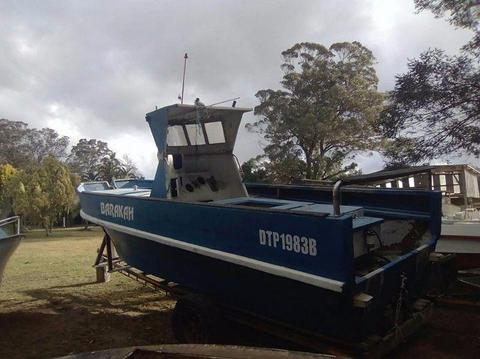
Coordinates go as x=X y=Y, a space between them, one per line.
x=111 y=167
x=326 y=111
x=13 y=146
x=46 y=142
x=254 y=170
x=23 y=147
x=7 y=172
x=43 y=194
x=92 y=160
x=434 y=109
x=461 y=13
x=130 y=170
x=86 y=158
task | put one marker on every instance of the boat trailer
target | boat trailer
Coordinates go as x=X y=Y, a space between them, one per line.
x=198 y=319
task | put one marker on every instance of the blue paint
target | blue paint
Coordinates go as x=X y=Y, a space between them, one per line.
x=157 y=120
x=275 y=297
x=377 y=202
x=236 y=230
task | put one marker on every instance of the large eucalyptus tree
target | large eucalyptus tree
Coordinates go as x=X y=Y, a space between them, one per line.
x=326 y=110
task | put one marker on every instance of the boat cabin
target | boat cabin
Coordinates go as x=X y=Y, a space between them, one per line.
x=195 y=152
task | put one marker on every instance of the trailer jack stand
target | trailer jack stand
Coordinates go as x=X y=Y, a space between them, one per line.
x=104 y=262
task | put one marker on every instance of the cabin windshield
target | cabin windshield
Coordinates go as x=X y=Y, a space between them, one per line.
x=194 y=134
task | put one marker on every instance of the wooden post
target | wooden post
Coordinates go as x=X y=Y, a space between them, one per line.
x=100 y=251
x=109 y=253
x=103 y=275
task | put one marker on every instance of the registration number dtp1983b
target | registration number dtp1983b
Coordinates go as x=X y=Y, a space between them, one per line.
x=288 y=242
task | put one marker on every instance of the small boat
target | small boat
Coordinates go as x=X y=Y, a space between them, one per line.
x=461 y=236
x=9 y=240
x=343 y=262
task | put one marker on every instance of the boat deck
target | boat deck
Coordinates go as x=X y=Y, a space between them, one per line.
x=359 y=220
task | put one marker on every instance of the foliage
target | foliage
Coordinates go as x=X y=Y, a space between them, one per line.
x=461 y=13
x=111 y=167
x=253 y=170
x=92 y=160
x=130 y=170
x=47 y=142
x=7 y=172
x=34 y=181
x=325 y=112
x=86 y=158
x=434 y=109
x=13 y=147
x=43 y=194
x=22 y=146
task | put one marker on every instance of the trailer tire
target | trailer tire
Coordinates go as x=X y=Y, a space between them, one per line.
x=195 y=320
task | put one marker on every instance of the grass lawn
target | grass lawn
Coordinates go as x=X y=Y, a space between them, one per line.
x=50 y=304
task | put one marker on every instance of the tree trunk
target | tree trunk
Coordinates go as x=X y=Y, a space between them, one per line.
x=308 y=174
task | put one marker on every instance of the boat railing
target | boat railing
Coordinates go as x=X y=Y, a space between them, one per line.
x=11 y=221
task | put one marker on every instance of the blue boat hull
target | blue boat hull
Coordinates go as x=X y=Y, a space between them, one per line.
x=282 y=299
x=215 y=250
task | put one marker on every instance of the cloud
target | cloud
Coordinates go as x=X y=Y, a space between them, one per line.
x=102 y=65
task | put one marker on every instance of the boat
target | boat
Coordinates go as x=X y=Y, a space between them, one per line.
x=347 y=263
x=461 y=232
x=9 y=240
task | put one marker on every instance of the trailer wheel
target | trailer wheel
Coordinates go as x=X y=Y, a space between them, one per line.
x=195 y=320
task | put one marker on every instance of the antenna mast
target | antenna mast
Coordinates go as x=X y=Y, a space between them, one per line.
x=184 y=70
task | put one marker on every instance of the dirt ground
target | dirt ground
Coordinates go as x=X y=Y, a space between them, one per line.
x=50 y=306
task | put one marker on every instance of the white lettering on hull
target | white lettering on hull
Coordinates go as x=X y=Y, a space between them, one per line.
x=117 y=211
x=288 y=242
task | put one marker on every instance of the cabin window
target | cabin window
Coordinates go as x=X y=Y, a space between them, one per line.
x=215 y=132
x=176 y=136
x=195 y=134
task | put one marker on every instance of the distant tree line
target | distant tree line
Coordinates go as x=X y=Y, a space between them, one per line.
x=329 y=108
x=39 y=172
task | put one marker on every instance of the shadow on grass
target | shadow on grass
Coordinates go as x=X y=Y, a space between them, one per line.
x=80 y=322
x=71 y=322
x=77 y=285
x=47 y=335
x=121 y=301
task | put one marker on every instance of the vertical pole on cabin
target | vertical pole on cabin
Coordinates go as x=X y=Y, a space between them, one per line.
x=184 y=70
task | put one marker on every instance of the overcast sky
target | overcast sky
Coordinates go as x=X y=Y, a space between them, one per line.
x=94 y=68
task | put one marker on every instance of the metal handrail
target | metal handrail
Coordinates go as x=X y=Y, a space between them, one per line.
x=6 y=221
x=337 y=201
